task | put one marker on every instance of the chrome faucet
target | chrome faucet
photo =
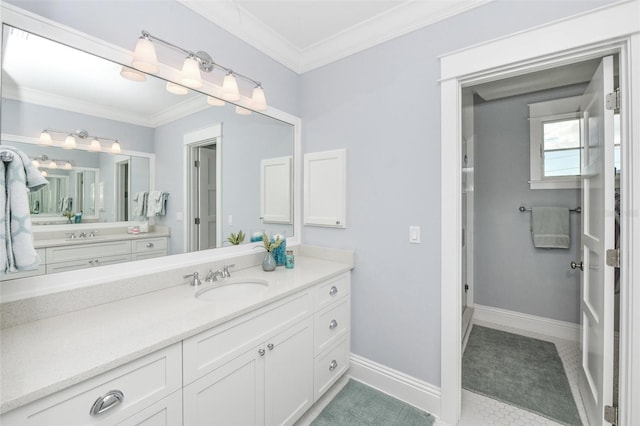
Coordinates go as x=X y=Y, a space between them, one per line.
x=222 y=273
x=196 y=279
x=83 y=235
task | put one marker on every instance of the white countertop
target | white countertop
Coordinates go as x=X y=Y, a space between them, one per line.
x=43 y=357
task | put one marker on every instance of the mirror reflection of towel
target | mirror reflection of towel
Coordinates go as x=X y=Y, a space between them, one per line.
x=156 y=203
x=550 y=227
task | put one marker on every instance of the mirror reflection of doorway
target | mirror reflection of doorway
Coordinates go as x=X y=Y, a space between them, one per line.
x=122 y=190
x=205 y=179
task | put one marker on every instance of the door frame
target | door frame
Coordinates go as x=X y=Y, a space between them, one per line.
x=193 y=140
x=582 y=37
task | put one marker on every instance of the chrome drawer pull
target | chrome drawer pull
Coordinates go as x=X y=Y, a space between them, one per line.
x=261 y=352
x=333 y=291
x=333 y=324
x=106 y=402
x=149 y=245
x=270 y=346
x=333 y=365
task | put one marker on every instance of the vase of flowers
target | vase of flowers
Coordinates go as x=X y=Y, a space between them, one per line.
x=269 y=262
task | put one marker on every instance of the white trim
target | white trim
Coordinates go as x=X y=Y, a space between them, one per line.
x=485 y=315
x=583 y=37
x=408 y=16
x=406 y=388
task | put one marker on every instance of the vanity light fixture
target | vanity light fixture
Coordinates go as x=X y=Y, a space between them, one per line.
x=70 y=141
x=52 y=165
x=43 y=161
x=68 y=165
x=45 y=138
x=35 y=163
x=242 y=111
x=215 y=101
x=145 y=59
x=176 y=89
x=133 y=75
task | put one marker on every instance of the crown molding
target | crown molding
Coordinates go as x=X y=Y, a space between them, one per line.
x=398 y=21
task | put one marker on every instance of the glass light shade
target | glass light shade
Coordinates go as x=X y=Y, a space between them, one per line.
x=35 y=163
x=115 y=148
x=191 y=74
x=258 y=100
x=45 y=138
x=176 y=89
x=230 y=88
x=95 y=145
x=53 y=165
x=215 y=101
x=69 y=142
x=242 y=111
x=68 y=165
x=44 y=173
x=144 y=56
x=131 y=74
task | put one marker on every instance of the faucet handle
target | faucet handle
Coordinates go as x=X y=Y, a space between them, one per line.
x=196 y=279
x=225 y=270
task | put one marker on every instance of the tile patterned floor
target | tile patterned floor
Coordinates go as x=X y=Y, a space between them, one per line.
x=478 y=410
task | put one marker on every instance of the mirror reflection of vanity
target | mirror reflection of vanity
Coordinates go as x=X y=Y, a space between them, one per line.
x=99 y=188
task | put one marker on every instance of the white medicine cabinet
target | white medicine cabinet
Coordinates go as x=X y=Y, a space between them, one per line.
x=325 y=188
x=275 y=200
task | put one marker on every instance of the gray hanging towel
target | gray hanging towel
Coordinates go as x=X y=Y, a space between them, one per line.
x=550 y=227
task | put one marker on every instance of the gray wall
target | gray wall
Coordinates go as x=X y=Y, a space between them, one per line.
x=383 y=105
x=509 y=272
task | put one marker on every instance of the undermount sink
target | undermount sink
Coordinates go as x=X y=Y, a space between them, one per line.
x=234 y=290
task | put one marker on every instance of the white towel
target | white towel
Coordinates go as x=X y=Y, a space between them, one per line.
x=17 y=177
x=550 y=227
x=140 y=201
x=156 y=203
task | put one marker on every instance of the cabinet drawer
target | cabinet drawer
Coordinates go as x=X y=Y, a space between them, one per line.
x=166 y=412
x=87 y=263
x=331 y=290
x=87 y=251
x=331 y=325
x=148 y=255
x=210 y=349
x=142 y=383
x=329 y=366
x=148 y=244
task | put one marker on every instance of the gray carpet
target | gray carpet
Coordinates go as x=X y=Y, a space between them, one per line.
x=520 y=371
x=359 y=405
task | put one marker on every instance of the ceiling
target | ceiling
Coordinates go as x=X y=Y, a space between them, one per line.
x=307 y=34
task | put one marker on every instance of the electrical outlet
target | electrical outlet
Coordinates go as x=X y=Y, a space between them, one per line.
x=414 y=234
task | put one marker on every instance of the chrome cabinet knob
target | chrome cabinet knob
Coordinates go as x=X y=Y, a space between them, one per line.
x=333 y=324
x=333 y=365
x=149 y=245
x=576 y=265
x=106 y=402
x=261 y=352
x=333 y=291
x=270 y=346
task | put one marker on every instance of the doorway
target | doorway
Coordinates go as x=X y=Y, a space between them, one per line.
x=582 y=38
x=520 y=287
x=122 y=184
x=202 y=189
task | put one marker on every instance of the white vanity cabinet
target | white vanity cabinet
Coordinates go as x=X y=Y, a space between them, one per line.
x=143 y=392
x=148 y=248
x=257 y=370
x=80 y=256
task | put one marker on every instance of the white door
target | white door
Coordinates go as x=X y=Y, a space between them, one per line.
x=597 y=292
x=207 y=197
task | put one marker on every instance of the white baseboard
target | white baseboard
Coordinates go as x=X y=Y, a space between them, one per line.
x=554 y=328
x=420 y=394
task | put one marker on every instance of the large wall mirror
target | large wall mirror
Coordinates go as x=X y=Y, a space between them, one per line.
x=78 y=91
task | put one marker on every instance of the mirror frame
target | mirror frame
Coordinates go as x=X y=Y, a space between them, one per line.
x=20 y=288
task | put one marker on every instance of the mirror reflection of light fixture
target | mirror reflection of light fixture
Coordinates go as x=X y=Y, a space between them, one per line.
x=43 y=161
x=44 y=173
x=115 y=148
x=68 y=165
x=215 y=101
x=35 y=163
x=145 y=59
x=242 y=111
x=52 y=165
x=70 y=142
x=131 y=74
x=176 y=89
x=45 y=138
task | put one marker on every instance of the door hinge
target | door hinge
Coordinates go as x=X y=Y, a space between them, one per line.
x=197 y=221
x=196 y=163
x=611 y=414
x=613 y=258
x=613 y=100
x=466 y=288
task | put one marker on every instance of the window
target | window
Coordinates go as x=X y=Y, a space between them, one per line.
x=556 y=155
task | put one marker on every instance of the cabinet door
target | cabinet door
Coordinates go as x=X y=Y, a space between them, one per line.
x=166 y=412
x=275 y=194
x=232 y=394
x=289 y=374
x=325 y=188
